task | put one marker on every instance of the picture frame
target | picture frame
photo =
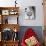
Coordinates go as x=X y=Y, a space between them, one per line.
x=13 y=12
x=30 y=13
x=9 y=34
x=5 y=12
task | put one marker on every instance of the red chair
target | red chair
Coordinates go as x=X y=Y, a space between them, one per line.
x=29 y=33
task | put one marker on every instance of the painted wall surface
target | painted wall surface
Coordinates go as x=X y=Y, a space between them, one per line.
x=23 y=4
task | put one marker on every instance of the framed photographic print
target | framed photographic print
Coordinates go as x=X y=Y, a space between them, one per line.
x=6 y=34
x=5 y=19
x=5 y=12
x=30 y=13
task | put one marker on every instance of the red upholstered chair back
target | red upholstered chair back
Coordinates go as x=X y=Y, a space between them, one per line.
x=29 y=33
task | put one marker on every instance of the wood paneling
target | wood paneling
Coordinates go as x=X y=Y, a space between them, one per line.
x=44 y=6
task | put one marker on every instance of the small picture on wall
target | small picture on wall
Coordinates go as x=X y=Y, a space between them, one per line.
x=30 y=13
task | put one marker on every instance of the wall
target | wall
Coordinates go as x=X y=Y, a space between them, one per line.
x=39 y=13
x=25 y=3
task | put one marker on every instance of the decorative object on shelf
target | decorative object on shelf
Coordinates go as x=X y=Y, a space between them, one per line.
x=6 y=21
x=13 y=12
x=7 y=34
x=15 y=30
x=30 y=13
x=5 y=12
x=15 y=37
x=15 y=34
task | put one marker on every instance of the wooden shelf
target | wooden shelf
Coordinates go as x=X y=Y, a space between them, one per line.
x=5 y=8
x=9 y=43
x=4 y=24
x=11 y=26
